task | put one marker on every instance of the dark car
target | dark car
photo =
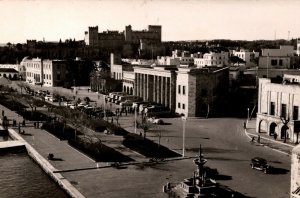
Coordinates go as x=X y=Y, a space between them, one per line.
x=260 y=164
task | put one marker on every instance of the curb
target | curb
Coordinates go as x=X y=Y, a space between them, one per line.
x=282 y=152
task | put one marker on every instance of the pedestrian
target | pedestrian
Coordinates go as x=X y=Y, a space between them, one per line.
x=23 y=132
x=275 y=136
x=34 y=124
x=112 y=119
x=245 y=125
x=2 y=112
x=23 y=123
x=258 y=138
x=19 y=127
x=252 y=139
x=126 y=112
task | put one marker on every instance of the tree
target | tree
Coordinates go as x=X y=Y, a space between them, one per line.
x=143 y=124
x=22 y=86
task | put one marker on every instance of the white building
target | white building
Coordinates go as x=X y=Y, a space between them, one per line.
x=212 y=59
x=167 y=60
x=48 y=73
x=246 y=56
x=279 y=103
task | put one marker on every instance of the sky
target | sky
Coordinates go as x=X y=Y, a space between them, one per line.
x=180 y=19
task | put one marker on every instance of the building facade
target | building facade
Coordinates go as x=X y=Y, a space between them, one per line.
x=201 y=91
x=278 y=108
x=116 y=39
x=156 y=84
x=212 y=59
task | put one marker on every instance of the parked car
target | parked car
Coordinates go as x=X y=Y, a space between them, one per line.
x=47 y=97
x=155 y=120
x=126 y=103
x=260 y=164
x=53 y=99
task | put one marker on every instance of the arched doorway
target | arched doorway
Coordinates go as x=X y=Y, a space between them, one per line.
x=262 y=126
x=272 y=128
x=124 y=88
x=127 y=90
x=131 y=91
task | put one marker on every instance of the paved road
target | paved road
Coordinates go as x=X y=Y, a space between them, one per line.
x=224 y=144
x=228 y=149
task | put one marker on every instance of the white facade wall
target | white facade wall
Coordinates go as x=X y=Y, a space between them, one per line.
x=34 y=70
x=116 y=72
x=212 y=59
x=48 y=73
x=182 y=99
x=279 y=95
x=166 y=60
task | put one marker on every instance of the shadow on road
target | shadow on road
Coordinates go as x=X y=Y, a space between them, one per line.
x=222 y=177
x=278 y=171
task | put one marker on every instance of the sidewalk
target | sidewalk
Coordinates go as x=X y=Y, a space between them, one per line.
x=268 y=141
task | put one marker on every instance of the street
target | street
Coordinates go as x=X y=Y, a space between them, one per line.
x=228 y=149
x=224 y=145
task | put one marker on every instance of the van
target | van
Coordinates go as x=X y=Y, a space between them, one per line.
x=128 y=97
x=158 y=111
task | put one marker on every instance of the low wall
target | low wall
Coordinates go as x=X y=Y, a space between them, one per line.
x=47 y=167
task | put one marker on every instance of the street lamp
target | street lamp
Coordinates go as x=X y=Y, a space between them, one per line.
x=183 y=134
x=135 y=112
x=247 y=115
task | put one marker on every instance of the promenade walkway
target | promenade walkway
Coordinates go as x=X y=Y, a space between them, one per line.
x=268 y=141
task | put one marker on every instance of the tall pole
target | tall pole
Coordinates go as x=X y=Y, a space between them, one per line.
x=183 y=135
x=135 y=110
x=104 y=108
x=247 y=115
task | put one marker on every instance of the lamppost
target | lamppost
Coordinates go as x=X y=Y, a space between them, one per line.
x=183 y=134
x=247 y=115
x=135 y=117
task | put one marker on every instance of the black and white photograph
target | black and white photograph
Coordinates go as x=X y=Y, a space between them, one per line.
x=149 y=99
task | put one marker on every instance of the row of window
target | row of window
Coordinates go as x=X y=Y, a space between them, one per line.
x=183 y=89
x=207 y=62
x=179 y=105
x=275 y=62
x=283 y=110
x=46 y=76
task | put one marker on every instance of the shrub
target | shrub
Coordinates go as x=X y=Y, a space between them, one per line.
x=147 y=147
x=99 y=151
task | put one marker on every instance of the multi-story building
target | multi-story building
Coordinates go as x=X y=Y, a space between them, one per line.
x=274 y=63
x=18 y=70
x=115 y=39
x=156 y=84
x=48 y=73
x=276 y=58
x=201 y=91
x=278 y=107
x=167 y=60
x=152 y=35
x=212 y=59
x=246 y=56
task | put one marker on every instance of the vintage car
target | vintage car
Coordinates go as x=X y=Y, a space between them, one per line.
x=260 y=164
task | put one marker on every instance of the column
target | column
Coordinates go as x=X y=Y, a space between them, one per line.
x=154 y=88
x=141 y=86
x=167 y=92
x=150 y=88
x=162 y=93
x=158 y=89
x=146 y=87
